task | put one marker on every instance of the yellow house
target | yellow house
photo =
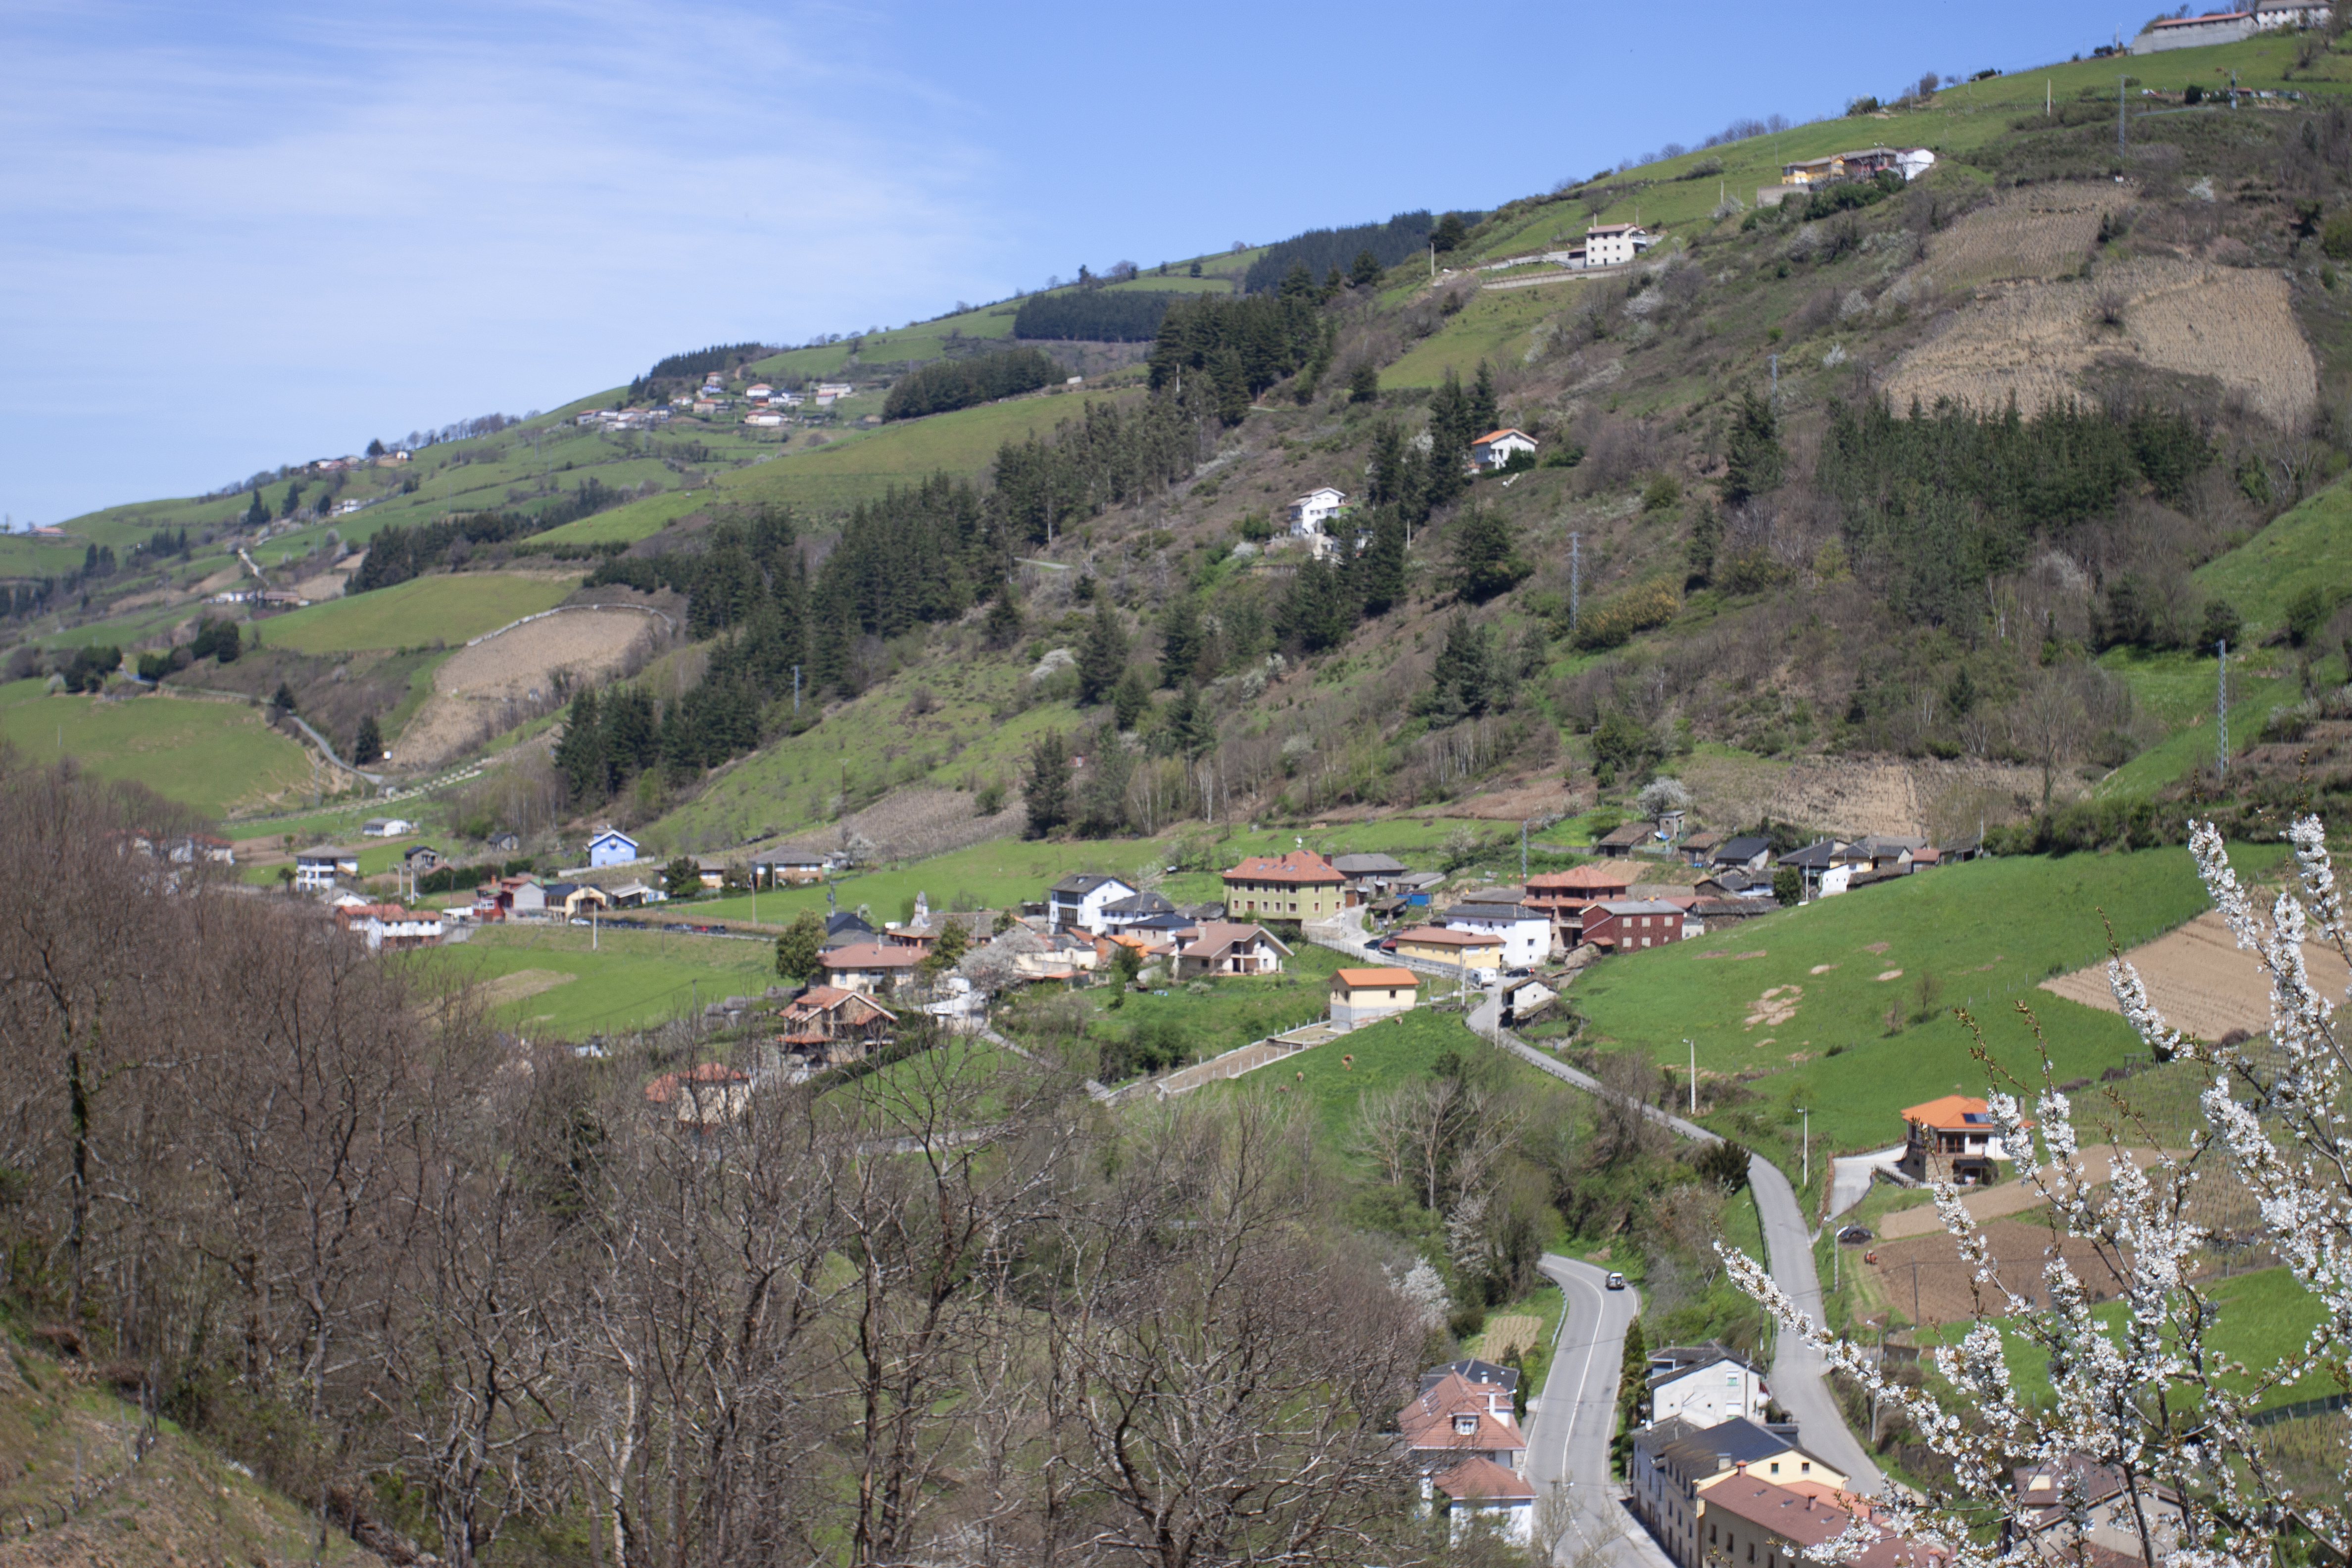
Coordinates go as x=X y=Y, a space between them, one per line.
x=1299 y=885
x=1463 y=949
x=1360 y=995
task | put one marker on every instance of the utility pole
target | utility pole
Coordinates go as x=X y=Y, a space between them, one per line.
x=2045 y=97
x=1806 y=1180
x=796 y=688
x=1694 y=1075
x=2221 y=710
x=1575 y=579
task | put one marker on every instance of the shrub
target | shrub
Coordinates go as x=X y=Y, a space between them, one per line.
x=2307 y=611
x=1626 y=615
x=2335 y=237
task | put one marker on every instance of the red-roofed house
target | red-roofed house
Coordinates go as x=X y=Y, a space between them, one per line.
x=703 y=1098
x=1454 y=1420
x=1360 y=996
x=1480 y=1491
x=1951 y=1139
x=833 y=1023
x=1565 y=896
x=390 y=925
x=1496 y=448
x=1299 y=885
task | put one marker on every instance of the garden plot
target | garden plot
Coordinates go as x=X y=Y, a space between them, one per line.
x=2200 y=982
x=2044 y=232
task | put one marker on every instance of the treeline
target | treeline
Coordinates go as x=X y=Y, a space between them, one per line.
x=702 y=362
x=1320 y=250
x=1938 y=501
x=1241 y=346
x=402 y=551
x=963 y=383
x=1112 y=454
x=1093 y=315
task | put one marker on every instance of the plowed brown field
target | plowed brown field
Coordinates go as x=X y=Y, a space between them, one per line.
x=2200 y=982
x=482 y=690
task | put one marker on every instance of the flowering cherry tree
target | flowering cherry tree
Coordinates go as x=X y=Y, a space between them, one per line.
x=2144 y=1392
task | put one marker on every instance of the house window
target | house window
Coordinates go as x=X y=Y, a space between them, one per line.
x=1804 y=1467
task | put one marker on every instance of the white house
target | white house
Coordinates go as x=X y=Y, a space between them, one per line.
x=611 y=846
x=1230 y=947
x=835 y=389
x=766 y=420
x=760 y=392
x=1498 y=448
x=319 y=867
x=1525 y=933
x=1311 y=512
x=1705 y=1385
x=1478 y=1492
x=386 y=827
x=1076 y=901
x=390 y=925
x=1914 y=161
x=1614 y=244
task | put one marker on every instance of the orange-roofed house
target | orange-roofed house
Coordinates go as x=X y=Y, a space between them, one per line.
x=1360 y=996
x=1496 y=448
x=1468 y=950
x=1479 y=1492
x=1299 y=885
x=1454 y=1419
x=703 y=1098
x=1230 y=947
x=1564 y=896
x=1951 y=1139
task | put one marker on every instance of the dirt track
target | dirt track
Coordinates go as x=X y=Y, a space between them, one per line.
x=2200 y=982
x=483 y=689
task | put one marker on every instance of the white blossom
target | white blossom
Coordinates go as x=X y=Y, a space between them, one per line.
x=2144 y=1390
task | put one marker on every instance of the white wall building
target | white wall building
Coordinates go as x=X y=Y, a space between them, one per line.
x=1076 y=901
x=1614 y=244
x=1311 y=512
x=1525 y=933
x=1498 y=448
x=1708 y=1390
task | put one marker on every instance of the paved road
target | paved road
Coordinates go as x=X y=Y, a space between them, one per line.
x=1570 y=1441
x=1797 y=1381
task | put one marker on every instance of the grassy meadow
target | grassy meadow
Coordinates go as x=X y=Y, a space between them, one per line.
x=417 y=614
x=213 y=756
x=1982 y=934
x=553 y=984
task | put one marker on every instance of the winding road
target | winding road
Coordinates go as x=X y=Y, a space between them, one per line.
x=1573 y=1451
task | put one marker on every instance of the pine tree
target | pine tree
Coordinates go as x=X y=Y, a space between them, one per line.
x=1102 y=794
x=284 y=699
x=1381 y=569
x=1448 y=235
x=1130 y=699
x=1187 y=728
x=1752 y=458
x=367 y=746
x=1485 y=556
x=1443 y=478
x=1364 y=383
x=1367 y=271
x=580 y=753
x=1047 y=791
x=1003 y=627
x=1483 y=414
x=1180 y=640
x=797 y=948
x=1103 y=661
x=257 y=513
x=1471 y=678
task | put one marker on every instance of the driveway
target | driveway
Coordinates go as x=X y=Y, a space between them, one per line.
x=1570 y=1445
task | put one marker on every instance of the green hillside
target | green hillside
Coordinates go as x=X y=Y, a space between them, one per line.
x=211 y=756
x=419 y=613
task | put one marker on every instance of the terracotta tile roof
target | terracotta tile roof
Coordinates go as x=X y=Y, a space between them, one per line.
x=1300 y=866
x=872 y=955
x=1582 y=879
x=1369 y=977
x=662 y=1089
x=1480 y=1477
x=1438 y=936
x=1217 y=936
x=1498 y=435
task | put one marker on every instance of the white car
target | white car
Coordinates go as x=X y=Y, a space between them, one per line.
x=1615 y=1281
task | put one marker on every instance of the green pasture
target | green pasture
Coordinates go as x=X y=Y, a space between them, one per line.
x=2306 y=548
x=837 y=476
x=1234 y=1010
x=1493 y=326
x=1987 y=932
x=416 y=613
x=2263 y=1317
x=628 y=980
x=210 y=755
x=1337 y=1076
x=636 y=520
x=2252 y=700
x=22 y=556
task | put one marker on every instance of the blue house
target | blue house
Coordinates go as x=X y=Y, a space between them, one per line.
x=612 y=847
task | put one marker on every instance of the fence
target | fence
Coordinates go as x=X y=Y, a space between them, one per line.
x=1231 y=1064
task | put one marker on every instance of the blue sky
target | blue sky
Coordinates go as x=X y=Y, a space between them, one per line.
x=232 y=237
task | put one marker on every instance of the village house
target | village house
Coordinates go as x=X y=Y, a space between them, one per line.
x=790 y=870
x=1880 y=853
x=420 y=857
x=611 y=846
x=317 y=869
x=1623 y=840
x=1614 y=244
x=1563 y=896
x=1311 y=511
x=1076 y=902
x=1814 y=861
x=2072 y=1505
x=190 y=847
x=1360 y=996
x=1743 y=1518
x=1525 y=933
x=844 y=927
x=1229 y=947
x=1674 y=1461
x=573 y=901
x=1699 y=848
x=1496 y=448
x=1951 y=1139
x=632 y=895
x=1299 y=885
x=1703 y=1384
x=1476 y=954
x=867 y=966
x=1749 y=852
x=1453 y=1418
x=703 y=1100
x=1478 y=1493
x=1369 y=876
x=386 y=827
x=510 y=898
x=833 y=1024
x=1144 y=908
x=383 y=926
x=1624 y=925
